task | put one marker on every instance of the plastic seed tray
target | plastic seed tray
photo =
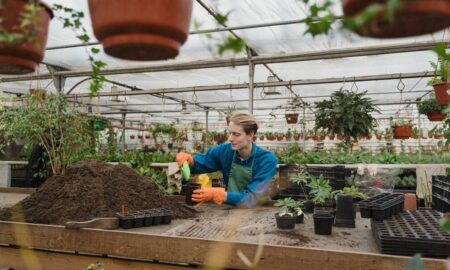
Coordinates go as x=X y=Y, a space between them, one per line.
x=144 y=218
x=441 y=193
x=412 y=232
x=382 y=206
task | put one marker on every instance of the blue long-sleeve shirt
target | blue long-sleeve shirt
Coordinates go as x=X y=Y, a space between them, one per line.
x=220 y=158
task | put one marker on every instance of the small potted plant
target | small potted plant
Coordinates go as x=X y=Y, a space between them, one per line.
x=301 y=180
x=286 y=216
x=432 y=109
x=402 y=129
x=296 y=135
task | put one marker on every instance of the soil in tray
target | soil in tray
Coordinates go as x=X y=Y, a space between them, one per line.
x=90 y=189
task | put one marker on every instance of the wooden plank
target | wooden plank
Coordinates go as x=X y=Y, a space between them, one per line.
x=194 y=251
x=17 y=190
x=22 y=259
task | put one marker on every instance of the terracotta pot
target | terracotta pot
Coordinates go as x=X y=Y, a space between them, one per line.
x=38 y=92
x=440 y=91
x=261 y=138
x=410 y=202
x=415 y=17
x=436 y=116
x=291 y=118
x=296 y=137
x=378 y=137
x=402 y=132
x=21 y=58
x=438 y=136
x=141 y=29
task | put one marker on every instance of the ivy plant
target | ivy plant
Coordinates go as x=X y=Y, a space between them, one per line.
x=430 y=105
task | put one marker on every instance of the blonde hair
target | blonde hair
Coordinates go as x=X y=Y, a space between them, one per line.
x=246 y=120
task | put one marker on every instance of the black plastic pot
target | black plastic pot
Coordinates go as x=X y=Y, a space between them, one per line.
x=345 y=211
x=323 y=223
x=285 y=222
x=148 y=218
x=138 y=220
x=189 y=188
x=157 y=218
x=300 y=218
x=166 y=216
x=308 y=206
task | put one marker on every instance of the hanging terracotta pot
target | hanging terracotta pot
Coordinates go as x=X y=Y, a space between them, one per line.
x=440 y=91
x=141 y=29
x=291 y=118
x=21 y=58
x=414 y=17
x=436 y=116
x=402 y=132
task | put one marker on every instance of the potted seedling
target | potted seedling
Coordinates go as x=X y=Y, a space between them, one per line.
x=286 y=216
x=323 y=211
x=402 y=129
x=432 y=109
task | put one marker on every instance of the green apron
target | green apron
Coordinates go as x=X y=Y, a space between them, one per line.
x=239 y=176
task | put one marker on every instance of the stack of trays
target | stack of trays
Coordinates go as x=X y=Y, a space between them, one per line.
x=441 y=193
x=382 y=206
x=412 y=232
x=145 y=218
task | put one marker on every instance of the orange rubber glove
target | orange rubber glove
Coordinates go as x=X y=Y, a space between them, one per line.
x=182 y=157
x=216 y=195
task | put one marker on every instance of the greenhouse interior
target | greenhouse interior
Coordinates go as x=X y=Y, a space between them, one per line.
x=182 y=134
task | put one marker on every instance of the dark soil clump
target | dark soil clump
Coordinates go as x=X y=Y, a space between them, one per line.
x=90 y=189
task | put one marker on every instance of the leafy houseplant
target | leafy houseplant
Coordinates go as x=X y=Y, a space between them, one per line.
x=62 y=132
x=320 y=190
x=432 y=109
x=346 y=113
x=287 y=213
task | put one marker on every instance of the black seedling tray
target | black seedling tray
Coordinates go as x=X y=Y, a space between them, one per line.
x=412 y=232
x=145 y=218
x=382 y=206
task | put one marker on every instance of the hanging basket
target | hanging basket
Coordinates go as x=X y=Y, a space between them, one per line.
x=402 y=132
x=21 y=58
x=414 y=17
x=291 y=118
x=440 y=91
x=141 y=29
x=99 y=124
x=436 y=116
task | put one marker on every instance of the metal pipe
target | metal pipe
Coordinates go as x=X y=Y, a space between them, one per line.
x=395 y=76
x=284 y=58
x=251 y=77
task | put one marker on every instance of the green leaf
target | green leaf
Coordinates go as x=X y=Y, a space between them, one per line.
x=416 y=263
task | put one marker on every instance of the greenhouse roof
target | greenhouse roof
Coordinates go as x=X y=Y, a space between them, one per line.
x=394 y=72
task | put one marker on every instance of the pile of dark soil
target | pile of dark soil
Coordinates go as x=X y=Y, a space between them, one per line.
x=90 y=189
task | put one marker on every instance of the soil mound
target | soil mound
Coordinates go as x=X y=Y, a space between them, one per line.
x=90 y=189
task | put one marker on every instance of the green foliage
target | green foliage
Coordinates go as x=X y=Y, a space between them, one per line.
x=320 y=189
x=302 y=179
x=288 y=206
x=27 y=30
x=346 y=113
x=445 y=224
x=61 y=131
x=95 y=266
x=429 y=105
x=354 y=191
x=72 y=19
x=231 y=44
x=401 y=123
x=416 y=263
x=168 y=129
x=442 y=65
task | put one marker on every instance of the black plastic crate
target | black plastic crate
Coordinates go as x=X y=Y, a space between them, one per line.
x=145 y=218
x=382 y=206
x=334 y=174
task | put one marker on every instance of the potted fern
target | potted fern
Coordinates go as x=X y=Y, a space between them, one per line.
x=432 y=109
x=441 y=80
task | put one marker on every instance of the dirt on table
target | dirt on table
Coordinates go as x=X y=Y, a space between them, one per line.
x=90 y=189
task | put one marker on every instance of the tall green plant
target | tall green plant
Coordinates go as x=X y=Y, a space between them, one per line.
x=346 y=113
x=62 y=131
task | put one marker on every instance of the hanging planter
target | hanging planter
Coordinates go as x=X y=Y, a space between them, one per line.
x=402 y=131
x=141 y=29
x=22 y=57
x=412 y=18
x=436 y=116
x=432 y=109
x=440 y=91
x=291 y=118
x=132 y=137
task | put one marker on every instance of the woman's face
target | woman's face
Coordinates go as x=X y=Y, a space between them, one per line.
x=237 y=137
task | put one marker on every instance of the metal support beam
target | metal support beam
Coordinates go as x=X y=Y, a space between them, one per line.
x=284 y=58
x=123 y=131
x=395 y=76
x=251 y=77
